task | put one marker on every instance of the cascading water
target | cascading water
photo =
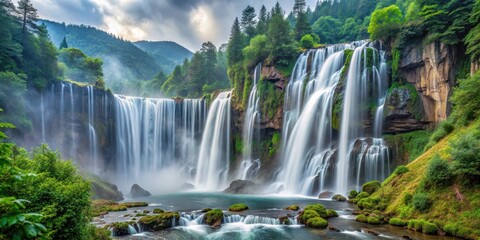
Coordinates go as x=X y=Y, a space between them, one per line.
x=214 y=158
x=155 y=135
x=250 y=166
x=92 y=136
x=311 y=161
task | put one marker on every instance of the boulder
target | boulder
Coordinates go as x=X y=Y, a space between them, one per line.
x=213 y=218
x=241 y=187
x=326 y=194
x=104 y=190
x=159 y=222
x=339 y=198
x=137 y=191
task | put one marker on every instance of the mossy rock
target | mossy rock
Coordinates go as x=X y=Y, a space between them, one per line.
x=361 y=218
x=317 y=222
x=292 y=208
x=368 y=203
x=213 y=217
x=371 y=187
x=238 y=207
x=158 y=210
x=206 y=210
x=401 y=170
x=146 y=211
x=414 y=224
x=134 y=204
x=319 y=208
x=140 y=215
x=352 y=194
x=429 y=228
x=339 y=198
x=307 y=214
x=159 y=222
x=100 y=207
x=331 y=213
x=397 y=222
x=362 y=195
x=119 y=228
x=374 y=220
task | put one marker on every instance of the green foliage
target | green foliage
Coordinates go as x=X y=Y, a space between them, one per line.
x=248 y=22
x=401 y=170
x=374 y=220
x=466 y=157
x=445 y=128
x=362 y=195
x=466 y=100
x=281 y=44
x=429 y=228
x=238 y=207
x=472 y=40
x=352 y=194
x=371 y=187
x=407 y=198
x=317 y=222
x=256 y=51
x=361 y=218
x=302 y=27
x=397 y=222
x=307 y=42
x=328 y=29
x=421 y=201
x=385 y=22
x=64 y=44
x=15 y=223
x=80 y=67
x=235 y=44
x=13 y=86
x=438 y=172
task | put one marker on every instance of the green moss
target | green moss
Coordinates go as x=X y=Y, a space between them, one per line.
x=119 y=228
x=101 y=234
x=361 y=218
x=317 y=222
x=338 y=197
x=331 y=213
x=362 y=195
x=134 y=204
x=400 y=170
x=158 y=222
x=429 y=228
x=213 y=217
x=140 y=215
x=307 y=214
x=421 y=201
x=371 y=187
x=238 y=207
x=374 y=220
x=319 y=208
x=292 y=208
x=397 y=222
x=410 y=145
x=158 y=210
x=352 y=194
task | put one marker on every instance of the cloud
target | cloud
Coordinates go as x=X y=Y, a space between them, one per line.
x=187 y=22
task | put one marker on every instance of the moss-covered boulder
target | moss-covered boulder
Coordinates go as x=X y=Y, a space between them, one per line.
x=371 y=187
x=374 y=220
x=119 y=228
x=317 y=222
x=213 y=217
x=339 y=198
x=319 y=208
x=352 y=194
x=331 y=213
x=429 y=228
x=158 y=210
x=238 y=207
x=307 y=214
x=292 y=208
x=361 y=218
x=159 y=222
x=206 y=210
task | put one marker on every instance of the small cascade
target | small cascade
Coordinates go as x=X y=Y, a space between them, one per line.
x=92 y=136
x=369 y=160
x=42 y=108
x=214 y=158
x=73 y=148
x=250 y=166
x=131 y=230
x=194 y=219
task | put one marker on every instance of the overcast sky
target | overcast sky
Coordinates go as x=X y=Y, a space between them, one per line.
x=188 y=22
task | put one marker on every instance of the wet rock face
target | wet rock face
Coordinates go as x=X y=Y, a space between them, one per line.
x=404 y=111
x=137 y=191
x=431 y=69
x=241 y=187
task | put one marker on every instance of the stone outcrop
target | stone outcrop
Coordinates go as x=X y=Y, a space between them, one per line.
x=431 y=69
x=137 y=191
x=404 y=111
x=270 y=73
x=241 y=187
x=104 y=190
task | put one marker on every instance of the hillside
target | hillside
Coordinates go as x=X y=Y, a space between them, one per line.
x=166 y=54
x=124 y=62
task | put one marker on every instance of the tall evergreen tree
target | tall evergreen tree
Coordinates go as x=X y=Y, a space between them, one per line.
x=262 y=25
x=235 y=44
x=278 y=36
x=248 y=21
x=302 y=27
x=28 y=15
x=63 y=44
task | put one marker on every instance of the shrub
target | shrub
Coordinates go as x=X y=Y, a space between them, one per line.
x=429 y=228
x=371 y=187
x=421 y=201
x=352 y=194
x=397 y=222
x=381 y=206
x=307 y=41
x=438 y=172
x=415 y=224
x=307 y=214
x=407 y=198
x=466 y=99
x=385 y=22
x=362 y=195
x=401 y=170
x=317 y=222
x=238 y=207
x=466 y=157
x=361 y=218
x=366 y=203
x=374 y=220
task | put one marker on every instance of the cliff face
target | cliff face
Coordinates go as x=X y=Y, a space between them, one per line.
x=431 y=70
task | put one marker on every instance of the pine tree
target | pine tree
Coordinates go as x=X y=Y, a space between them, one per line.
x=262 y=25
x=235 y=44
x=278 y=36
x=302 y=27
x=28 y=14
x=248 y=21
x=64 y=43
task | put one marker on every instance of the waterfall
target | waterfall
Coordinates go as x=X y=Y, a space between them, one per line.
x=42 y=109
x=92 y=136
x=157 y=134
x=73 y=149
x=318 y=138
x=250 y=166
x=214 y=158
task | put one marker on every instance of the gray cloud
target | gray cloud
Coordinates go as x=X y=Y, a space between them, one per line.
x=188 y=22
